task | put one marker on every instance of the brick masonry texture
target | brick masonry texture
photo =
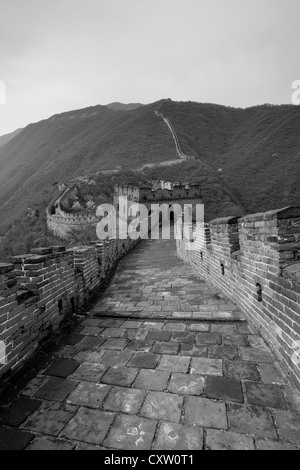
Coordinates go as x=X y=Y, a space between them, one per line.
x=255 y=261
x=39 y=290
x=224 y=390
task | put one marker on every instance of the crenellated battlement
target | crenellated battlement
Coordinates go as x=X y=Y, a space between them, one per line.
x=40 y=289
x=60 y=222
x=255 y=260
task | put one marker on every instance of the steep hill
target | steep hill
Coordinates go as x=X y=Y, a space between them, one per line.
x=258 y=149
x=72 y=144
x=4 y=139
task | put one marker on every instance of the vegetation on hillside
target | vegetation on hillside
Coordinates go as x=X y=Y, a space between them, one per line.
x=246 y=160
x=258 y=149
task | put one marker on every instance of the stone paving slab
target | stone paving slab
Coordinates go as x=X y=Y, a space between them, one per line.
x=90 y=426
x=131 y=432
x=174 y=437
x=164 y=406
x=223 y=440
x=199 y=381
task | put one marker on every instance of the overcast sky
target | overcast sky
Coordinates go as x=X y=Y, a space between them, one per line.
x=59 y=55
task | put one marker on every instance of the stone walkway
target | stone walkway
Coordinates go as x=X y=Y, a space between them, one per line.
x=162 y=362
x=153 y=283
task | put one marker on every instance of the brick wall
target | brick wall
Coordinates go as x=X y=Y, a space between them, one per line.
x=255 y=261
x=40 y=289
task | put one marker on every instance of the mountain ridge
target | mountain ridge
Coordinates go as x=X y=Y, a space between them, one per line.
x=248 y=160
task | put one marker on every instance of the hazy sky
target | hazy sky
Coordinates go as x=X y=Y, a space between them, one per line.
x=58 y=55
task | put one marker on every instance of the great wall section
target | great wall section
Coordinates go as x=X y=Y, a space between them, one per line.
x=255 y=261
x=60 y=222
x=196 y=337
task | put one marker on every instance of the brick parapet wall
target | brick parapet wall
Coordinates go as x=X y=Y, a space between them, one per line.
x=260 y=251
x=39 y=290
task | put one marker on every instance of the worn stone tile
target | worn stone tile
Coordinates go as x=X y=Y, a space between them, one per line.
x=89 y=356
x=132 y=325
x=62 y=368
x=50 y=443
x=272 y=445
x=188 y=337
x=34 y=385
x=90 y=426
x=173 y=436
x=223 y=440
x=256 y=355
x=89 y=372
x=248 y=419
x=223 y=329
x=55 y=389
x=205 y=413
x=270 y=395
x=164 y=406
x=144 y=361
x=116 y=358
x=140 y=345
x=131 y=433
x=91 y=331
x=224 y=388
x=223 y=352
x=204 y=366
x=163 y=336
x=152 y=380
x=19 y=411
x=90 y=343
x=166 y=348
x=202 y=316
x=140 y=334
x=175 y=326
x=199 y=327
x=195 y=350
x=67 y=352
x=110 y=323
x=235 y=340
x=257 y=342
x=288 y=424
x=271 y=374
x=241 y=370
x=122 y=376
x=174 y=363
x=72 y=340
x=115 y=343
x=50 y=418
x=148 y=325
x=126 y=400
x=209 y=338
x=93 y=322
x=88 y=394
x=293 y=398
x=186 y=384
x=182 y=314
x=113 y=332
x=14 y=439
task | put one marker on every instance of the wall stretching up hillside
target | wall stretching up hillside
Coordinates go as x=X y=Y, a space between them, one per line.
x=255 y=260
x=174 y=135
